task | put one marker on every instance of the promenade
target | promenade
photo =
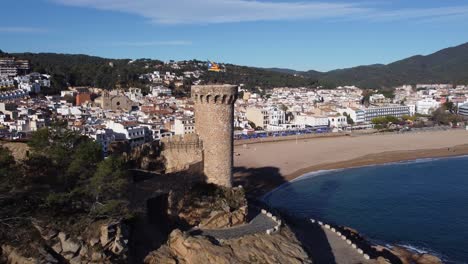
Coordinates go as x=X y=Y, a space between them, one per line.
x=259 y=224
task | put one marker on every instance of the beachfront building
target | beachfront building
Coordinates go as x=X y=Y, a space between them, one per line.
x=276 y=116
x=259 y=116
x=337 y=121
x=310 y=120
x=356 y=114
x=426 y=106
x=394 y=110
x=463 y=110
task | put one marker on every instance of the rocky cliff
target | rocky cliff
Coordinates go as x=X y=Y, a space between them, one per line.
x=280 y=247
x=208 y=206
x=408 y=257
x=101 y=242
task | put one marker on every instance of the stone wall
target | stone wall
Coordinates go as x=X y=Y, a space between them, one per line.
x=181 y=153
x=214 y=115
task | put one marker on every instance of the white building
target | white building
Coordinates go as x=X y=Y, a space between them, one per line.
x=426 y=106
x=160 y=91
x=378 y=99
x=305 y=120
x=356 y=114
x=134 y=94
x=338 y=121
x=463 y=110
x=104 y=137
x=395 y=110
x=276 y=116
x=184 y=126
x=131 y=131
x=7 y=82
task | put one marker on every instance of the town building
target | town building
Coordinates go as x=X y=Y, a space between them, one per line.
x=426 y=106
x=259 y=116
x=183 y=126
x=382 y=111
x=10 y=66
x=309 y=120
x=114 y=102
x=463 y=110
x=130 y=131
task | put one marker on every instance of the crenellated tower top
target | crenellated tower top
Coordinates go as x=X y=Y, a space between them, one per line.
x=214 y=94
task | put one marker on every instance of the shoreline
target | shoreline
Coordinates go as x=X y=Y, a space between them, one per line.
x=295 y=162
x=382 y=159
x=407 y=253
x=369 y=160
x=263 y=167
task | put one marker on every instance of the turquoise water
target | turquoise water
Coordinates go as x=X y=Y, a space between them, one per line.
x=420 y=204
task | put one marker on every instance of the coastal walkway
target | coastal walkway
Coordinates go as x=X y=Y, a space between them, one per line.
x=259 y=224
x=343 y=252
x=323 y=245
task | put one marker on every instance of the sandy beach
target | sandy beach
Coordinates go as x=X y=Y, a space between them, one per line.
x=262 y=167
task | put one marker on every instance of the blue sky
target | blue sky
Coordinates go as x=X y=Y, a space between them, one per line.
x=297 y=34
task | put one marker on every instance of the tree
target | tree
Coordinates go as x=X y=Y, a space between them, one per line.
x=8 y=170
x=440 y=116
x=65 y=161
x=109 y=187
x=84 y=161
x=284 y=108
x=349 y=120
x=252 y=125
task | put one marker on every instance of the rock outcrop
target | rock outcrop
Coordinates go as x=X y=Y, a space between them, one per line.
x=101 y=242
x=281 y=247
x=210 y=207
x=408 y=257
x=10 y=255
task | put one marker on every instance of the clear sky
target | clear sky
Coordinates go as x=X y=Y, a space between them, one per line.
x=298 y=34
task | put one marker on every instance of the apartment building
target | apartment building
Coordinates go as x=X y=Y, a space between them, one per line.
x=395 y=110
x=259 y=116
x=426 y=106
x=183 y=126
x=463 y=110
x=131 y=131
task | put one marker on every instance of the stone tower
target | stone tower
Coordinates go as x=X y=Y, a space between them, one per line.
x=214 y=117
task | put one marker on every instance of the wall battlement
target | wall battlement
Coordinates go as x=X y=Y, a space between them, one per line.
x=182 y=152
x=214 y=94
x=181 y=142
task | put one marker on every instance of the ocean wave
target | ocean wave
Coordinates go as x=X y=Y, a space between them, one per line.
x=425 y=250
x=419 y=250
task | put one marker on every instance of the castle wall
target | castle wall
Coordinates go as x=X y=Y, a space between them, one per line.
x=181 y=153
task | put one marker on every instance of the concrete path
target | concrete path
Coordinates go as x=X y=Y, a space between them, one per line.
x=259 y=224
x=343 y=253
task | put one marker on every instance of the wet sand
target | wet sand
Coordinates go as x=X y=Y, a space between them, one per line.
x=262 y=167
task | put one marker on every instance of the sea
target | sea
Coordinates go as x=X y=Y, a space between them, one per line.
x=421 y=205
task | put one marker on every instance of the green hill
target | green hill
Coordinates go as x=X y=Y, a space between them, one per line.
x=446 y=66
x=84 y=70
